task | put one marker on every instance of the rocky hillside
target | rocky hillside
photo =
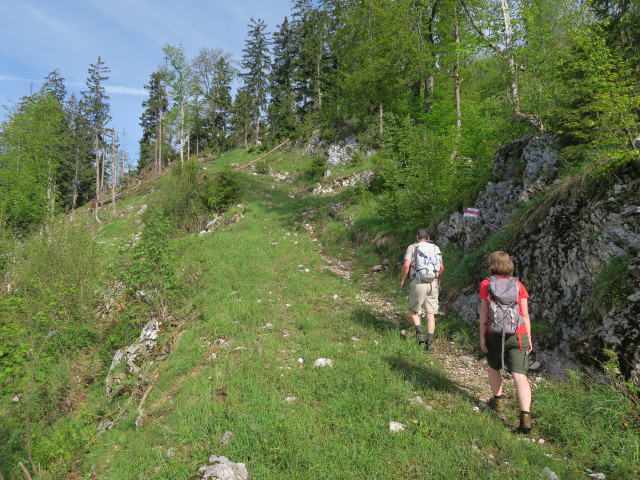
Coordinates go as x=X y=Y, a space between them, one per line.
x=577 y=250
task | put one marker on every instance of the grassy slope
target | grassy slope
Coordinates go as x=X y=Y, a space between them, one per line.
x=254 y=273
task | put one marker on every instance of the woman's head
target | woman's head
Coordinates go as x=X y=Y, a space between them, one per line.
x=500 y=264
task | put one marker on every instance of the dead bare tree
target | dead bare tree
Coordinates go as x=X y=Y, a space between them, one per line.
x=114 y=168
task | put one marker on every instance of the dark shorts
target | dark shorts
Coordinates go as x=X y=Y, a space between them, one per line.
x=515 y=360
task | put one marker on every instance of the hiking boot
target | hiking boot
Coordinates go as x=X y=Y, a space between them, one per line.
x=525 y=423
x=421 y=339
x=497 y=404
x=429 y=347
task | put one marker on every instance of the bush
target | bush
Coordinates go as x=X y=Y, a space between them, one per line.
x=261 y=167
x=315 y=170
x=223 y=191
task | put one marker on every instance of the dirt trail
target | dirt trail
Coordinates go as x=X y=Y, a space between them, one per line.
x=461 y=366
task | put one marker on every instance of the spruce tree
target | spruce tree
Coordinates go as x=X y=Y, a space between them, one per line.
x=96 y=109
x=256 y=65
x=282 y=109
x=151 y=121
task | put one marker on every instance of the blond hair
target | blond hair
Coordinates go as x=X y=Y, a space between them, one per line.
x=500 y=263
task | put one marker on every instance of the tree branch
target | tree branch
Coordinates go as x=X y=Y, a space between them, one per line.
x=479 y=31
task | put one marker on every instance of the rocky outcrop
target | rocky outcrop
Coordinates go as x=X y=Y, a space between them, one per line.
x=331 y=186
x=521 y=169
x=578 y=255
x=339 y=153
x=129 y=362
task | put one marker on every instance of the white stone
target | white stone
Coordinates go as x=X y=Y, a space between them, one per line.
x=546 y=471
x=323 y=362
x=290 y=399
x=221 y=468
x=396 y=426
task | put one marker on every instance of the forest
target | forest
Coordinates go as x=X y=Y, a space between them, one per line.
x=93 y=248
x=430 y=85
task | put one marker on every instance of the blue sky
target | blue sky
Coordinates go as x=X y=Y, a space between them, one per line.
x=39 y=36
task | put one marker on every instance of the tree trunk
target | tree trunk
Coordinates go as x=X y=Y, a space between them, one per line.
x=456 y=85
x=114 y=171
x=96 y=203
x=380 y=119
x=103 y=168
x=318 y=86
x=74 y=195
x=532 y=119
x=181 y=132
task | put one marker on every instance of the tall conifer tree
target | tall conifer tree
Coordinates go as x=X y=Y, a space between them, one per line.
x=96 y=109
x=256 y=65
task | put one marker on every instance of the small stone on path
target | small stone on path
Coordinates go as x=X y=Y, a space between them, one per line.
x=396 y=426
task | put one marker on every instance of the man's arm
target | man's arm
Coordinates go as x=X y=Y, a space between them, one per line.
x=405 y=271
x=441 y=272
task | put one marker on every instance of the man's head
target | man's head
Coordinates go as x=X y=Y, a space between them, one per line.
x=422 y=235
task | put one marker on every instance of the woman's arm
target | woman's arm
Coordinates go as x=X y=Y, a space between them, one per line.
x=484 y=317
x=524 y=308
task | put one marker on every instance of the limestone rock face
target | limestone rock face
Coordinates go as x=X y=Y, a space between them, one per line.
x=565 y=256
x=129 y=361
x=520 y=169
x=338 y=153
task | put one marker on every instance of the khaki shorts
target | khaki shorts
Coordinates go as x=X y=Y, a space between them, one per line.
x=423 y=297
x=515 y=360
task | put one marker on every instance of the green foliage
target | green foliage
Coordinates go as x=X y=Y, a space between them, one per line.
x=261 y=167
x=420 y=178
x=454 y=329
x=597 y=104
x=613 y=283
x=32 y=145
x=148 y=269
x=315 y=170
x=47 y=319
x=186 y=198
x=223 y=191
x=595 y=421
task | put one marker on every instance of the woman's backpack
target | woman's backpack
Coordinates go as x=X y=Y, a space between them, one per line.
x=504 y=310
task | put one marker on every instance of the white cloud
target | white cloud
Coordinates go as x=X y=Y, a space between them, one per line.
x=11 y=78
x=125 y=90
x=62 y=29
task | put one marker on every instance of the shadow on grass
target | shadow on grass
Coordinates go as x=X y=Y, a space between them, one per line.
x=415 y=371
x=423 y=377
x=380 y=323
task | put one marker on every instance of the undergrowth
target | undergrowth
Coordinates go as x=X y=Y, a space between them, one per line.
x=258 y=306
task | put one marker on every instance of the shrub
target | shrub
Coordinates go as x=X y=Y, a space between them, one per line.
x=223 y=191
x=315 y=169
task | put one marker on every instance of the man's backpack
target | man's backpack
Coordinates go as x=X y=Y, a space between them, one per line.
x=504 y=310
x=427 y=264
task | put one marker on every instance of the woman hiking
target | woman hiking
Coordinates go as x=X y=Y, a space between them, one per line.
x=505 y=333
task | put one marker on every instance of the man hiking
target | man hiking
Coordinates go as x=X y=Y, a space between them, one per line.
x=424 y=266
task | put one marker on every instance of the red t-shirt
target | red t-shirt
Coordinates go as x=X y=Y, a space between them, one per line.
x=484 y=291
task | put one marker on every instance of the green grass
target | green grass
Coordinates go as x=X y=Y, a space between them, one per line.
x=254 y=291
